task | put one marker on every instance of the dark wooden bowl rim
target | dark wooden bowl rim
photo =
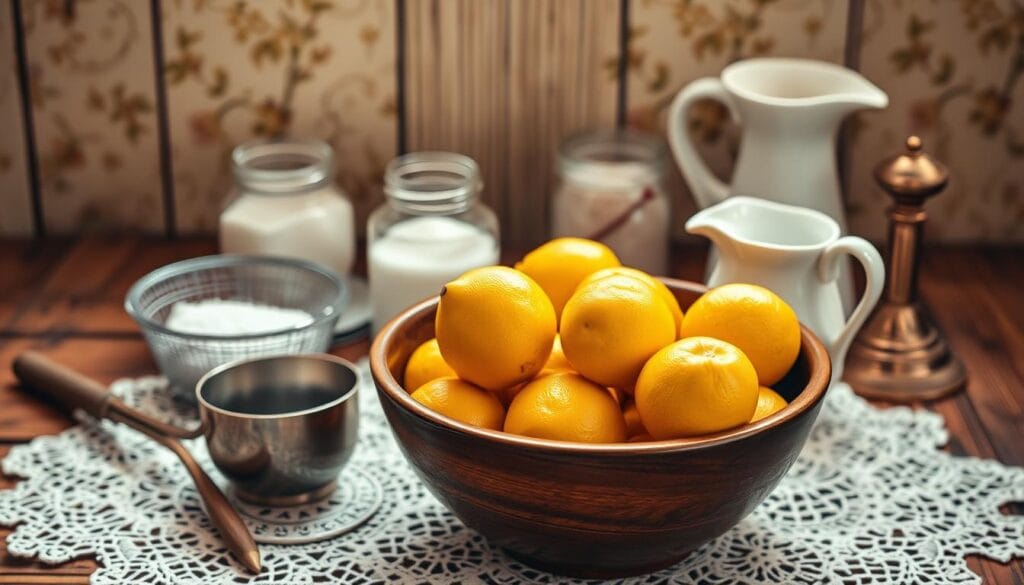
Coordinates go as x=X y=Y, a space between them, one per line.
x=818 y=363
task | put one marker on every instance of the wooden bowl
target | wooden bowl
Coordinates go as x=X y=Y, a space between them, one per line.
x=589 y=510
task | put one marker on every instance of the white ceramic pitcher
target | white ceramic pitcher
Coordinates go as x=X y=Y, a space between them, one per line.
x=790 y=111
x=795 y=252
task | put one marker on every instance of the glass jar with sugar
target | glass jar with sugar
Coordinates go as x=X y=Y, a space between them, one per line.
x=612 y=189
x=431 y=228
x=287 y=204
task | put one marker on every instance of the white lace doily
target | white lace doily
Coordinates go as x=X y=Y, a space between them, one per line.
x=356 y=499
x=870 y=500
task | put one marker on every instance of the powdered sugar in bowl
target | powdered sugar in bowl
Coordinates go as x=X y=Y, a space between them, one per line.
x=201 y=313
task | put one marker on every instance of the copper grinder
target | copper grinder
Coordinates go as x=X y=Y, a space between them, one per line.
x=899 y=355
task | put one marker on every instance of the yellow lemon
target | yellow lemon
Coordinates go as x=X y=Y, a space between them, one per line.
x=768 y=403
x=634 y=426
x=461 y=401
x=556 y=363
x=753 y=319
x=505 y=395
x=495 y=327
x=662 y=291
x=695 y=386
x=559 y=265
x=426 y=364
x=566 y=407
x=610 y=327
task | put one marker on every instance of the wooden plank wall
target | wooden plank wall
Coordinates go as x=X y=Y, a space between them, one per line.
x=504 y=82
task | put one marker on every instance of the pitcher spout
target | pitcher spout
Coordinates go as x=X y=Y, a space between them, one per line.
x=857 y=93
x=742 y=222
x=708 y=228
x=802 y=84
x=842 y=91
x=714 y=223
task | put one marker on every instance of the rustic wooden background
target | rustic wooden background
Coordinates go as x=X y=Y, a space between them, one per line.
x=118 y=115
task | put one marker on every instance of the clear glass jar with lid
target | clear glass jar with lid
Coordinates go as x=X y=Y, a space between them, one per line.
x=431 y=228
x=286 y=204
x=612 y=189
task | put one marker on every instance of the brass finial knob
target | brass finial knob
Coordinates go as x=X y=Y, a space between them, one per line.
x=913 y=176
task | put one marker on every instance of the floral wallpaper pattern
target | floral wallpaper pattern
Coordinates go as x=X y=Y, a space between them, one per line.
x=15 y=199
x=954 y=72
x=241 y=69
x=92 y=101
x=674 y=42
x=307 y=68
x=962 y=98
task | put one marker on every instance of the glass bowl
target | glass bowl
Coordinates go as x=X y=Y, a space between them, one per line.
x=279 y=282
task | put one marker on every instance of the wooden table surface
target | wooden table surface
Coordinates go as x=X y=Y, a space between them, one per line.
x=64 y=298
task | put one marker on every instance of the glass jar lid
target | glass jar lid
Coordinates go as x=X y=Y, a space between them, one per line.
x=282 y=167
x=612 y=158
x=432 y=182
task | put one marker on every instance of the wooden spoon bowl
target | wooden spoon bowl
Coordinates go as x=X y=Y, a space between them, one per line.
x=595 y=510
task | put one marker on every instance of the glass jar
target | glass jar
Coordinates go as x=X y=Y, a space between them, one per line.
x=286 y=204
x=612 y=190
x=431 y=228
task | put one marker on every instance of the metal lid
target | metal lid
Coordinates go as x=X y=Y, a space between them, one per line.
x=913 y=174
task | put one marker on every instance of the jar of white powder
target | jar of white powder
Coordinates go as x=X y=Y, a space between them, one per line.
x=287 y=204
x=612 y=189
x=431 y=228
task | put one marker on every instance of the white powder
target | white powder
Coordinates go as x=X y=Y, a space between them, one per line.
x=226 y=317
x=416 y=257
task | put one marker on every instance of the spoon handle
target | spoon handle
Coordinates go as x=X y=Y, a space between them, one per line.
x=230 y=525
x=62 y=385
x=47 y=378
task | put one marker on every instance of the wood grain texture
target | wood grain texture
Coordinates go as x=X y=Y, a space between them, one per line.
x=504 y=81
x=24 y=265
x=623 y=510
x=23 y=417
x=973 y=300
x=973 y=293
x=75 y=300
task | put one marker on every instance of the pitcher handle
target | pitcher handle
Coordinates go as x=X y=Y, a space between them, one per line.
x=828 y=271
x=707 y=189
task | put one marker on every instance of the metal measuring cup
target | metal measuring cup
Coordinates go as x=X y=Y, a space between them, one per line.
x=284 y=454
x=281 y=428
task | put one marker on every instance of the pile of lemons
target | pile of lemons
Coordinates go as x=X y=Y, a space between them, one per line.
x=570 y=345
